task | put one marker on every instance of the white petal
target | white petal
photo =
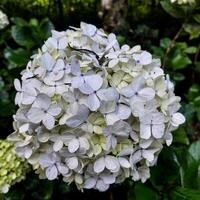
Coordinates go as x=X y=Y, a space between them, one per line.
x=158 y=130
x=48 y=121
x=145 y=58
x=99 y=165
x=88 y=29
x=111 y=118
x=148 y=154
x=74 y=121
x=86 y=89
x=108 y=179
x=94 y=81
x=123 y=111
x=43 y=101
x=177 y=119
x=17 y=85
x=136 y=157
x=63 y=42
x=72 y=162
x=77 y=81
x=75 y=67
x=113 y=62
x=47 y=61
x=147 y=93
x=24 y=128
x=145 y=131
x=124 y=162
x=109 y=94
x=27 y=99
x=51 y=172
x=27 y=152
x=54 y=110
x=62 y=169
x=127 y=91
x=43 y=137
x=57 y=146
x=101 y=186
x=73 y=145
x=84 y=144
x=93 y=102
x=90 y=183
x=35 y=115
x=46 y=160
x=168 y=138
x=112 y=163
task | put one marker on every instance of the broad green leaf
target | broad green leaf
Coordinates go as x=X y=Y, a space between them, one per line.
x=178 y=77
x=167 y=165
x=194 y=150
x=180 y=61
x=22 y=36
x=19 y=21
x=193 y=30
x=17 y=58
x=142 y=192
x=188 y=168
x=179 y=136
x=176 y=12
x=190 y=50
x=165 y=42
x=45 y=28
x=185 y=193
x=197 y=18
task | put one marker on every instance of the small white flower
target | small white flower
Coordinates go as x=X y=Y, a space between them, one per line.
x=44 y=111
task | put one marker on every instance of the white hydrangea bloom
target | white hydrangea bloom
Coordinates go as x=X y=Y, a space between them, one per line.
x=183 y=1
x=93 y=112
x=3 y=20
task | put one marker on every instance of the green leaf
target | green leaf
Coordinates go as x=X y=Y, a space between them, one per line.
x=17 y=58
x=19 y=21
x=178 y=77
x=190 y=50
x=179 y=136
x=197 y=18
x=194 y=150
x=22 y=36
x=45 y=28
x=142 y=192
x=171 y=9
x=185 y=194
x=180 y=61
x=193 y=30
x=165 y=42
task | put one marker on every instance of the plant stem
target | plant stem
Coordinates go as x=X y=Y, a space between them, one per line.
x=171 y=45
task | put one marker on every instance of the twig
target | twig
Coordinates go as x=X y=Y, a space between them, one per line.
x=84 y=50
x=171 y=45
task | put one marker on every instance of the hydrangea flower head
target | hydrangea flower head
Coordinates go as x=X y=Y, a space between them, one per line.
x=12 y=168
x=3 y=20
x=92 y=112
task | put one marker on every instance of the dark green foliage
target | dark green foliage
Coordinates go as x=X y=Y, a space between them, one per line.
x=170 y=31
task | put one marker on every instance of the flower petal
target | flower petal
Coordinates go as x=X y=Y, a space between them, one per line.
x=51 y=172
x=73 y=145
x=93 y=102
x=94 y=81
x=99 y=165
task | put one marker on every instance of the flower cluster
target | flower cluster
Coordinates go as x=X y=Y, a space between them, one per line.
x=93 y=112
x=183 y=1
x=12 y=168
x=3 y=20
